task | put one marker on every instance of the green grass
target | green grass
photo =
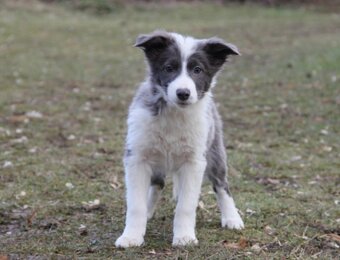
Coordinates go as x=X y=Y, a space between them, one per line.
x=279 y=102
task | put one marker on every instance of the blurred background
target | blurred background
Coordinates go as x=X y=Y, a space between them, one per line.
x=68 y=71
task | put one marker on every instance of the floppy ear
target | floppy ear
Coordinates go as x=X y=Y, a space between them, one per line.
x=218 y=51
x=153 y=43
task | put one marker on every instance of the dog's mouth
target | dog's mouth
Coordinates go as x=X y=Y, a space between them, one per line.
x=183 y=104
x=179 y=103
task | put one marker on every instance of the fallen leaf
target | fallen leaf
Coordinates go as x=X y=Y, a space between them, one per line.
x=244 y=145
x=241 y=244
x=69 y=185
x=256 y=247
x=33 y=150
x=19 y=131
x=115 y=184
x=91 y=205
x=152 y=252
x=20 y=140
x=250 y=211
x=327 y=148
x=333 y=78
x=82 y=226
x=295 y=158
x=34 y=114
x=83 y=230
x=19 y=81
x=71 y=137
x=333 y=245
x=76 y=90
x=273 y=181
x=269 y=230
x=315 y=256
x=18 y=119
x=283 y=106
x=324 y=132
x=332 y=236
x=312 y=182
x=21 y=194
x=7 y=164
x=4 y=257
x=31 y=217
x=268 y=181
x=202 y=206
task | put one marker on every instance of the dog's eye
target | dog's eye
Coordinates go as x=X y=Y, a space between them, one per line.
x=197 y=70
x=168 y=68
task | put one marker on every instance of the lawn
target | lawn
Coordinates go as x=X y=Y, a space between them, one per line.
x=66 y=80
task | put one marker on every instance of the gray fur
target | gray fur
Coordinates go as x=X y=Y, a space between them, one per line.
x=161 y=52
x=158 y=179
x=127 y=153
x=216 y=170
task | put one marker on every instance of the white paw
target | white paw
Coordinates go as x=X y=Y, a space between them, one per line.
x=125 y=242
x=233 y=222
x=184 y=241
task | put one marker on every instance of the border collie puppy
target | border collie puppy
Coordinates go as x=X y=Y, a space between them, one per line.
x=174 y=128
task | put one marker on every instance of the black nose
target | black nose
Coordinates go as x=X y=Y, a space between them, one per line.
x=183 y=94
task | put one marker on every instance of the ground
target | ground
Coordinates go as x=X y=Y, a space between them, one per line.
x=66 y=80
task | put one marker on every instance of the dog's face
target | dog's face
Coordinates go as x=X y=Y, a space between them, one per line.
x=183 y=68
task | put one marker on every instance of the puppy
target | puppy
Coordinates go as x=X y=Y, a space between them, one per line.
x=174 y=128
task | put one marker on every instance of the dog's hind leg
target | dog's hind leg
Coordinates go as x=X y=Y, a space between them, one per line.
x=230 y=217
x=217 y=174
x=155 y=191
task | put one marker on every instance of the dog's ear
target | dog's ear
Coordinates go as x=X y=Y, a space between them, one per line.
x=218 y=51
x=154 y=42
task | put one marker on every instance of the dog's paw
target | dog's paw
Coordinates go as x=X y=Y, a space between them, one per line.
x=184 y=241
x=234 y=222
x=125 y=242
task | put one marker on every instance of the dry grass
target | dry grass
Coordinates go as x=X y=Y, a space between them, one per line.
x=279 y=102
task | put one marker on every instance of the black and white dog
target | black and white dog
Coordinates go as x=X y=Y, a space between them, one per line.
x=174 y=127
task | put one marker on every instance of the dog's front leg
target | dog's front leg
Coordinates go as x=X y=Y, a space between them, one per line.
x=137 y=177
x=189 y=186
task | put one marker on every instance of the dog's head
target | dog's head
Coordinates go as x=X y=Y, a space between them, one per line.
x=183 y=68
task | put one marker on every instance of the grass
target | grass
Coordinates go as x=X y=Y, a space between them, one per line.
x=279 y=102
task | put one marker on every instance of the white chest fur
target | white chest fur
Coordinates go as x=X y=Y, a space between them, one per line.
x=168 y=140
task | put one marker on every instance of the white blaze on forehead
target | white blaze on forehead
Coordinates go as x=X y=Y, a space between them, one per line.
x=187 y=45
x=183 y=81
